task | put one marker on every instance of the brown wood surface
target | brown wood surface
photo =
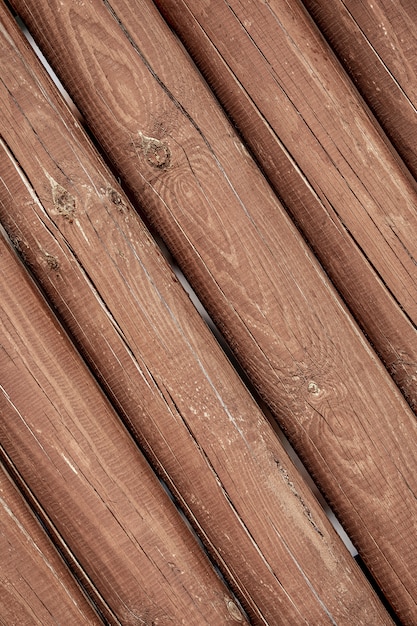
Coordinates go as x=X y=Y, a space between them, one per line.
x=163 y=369
x=88 y=475
x=35 y=585
x=377 y=44
x=174 y=148
x=310 y=132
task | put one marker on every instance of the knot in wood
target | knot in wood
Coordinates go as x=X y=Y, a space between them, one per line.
x=313 y=388
x=116 y=198
x=52 y=261
x=155 y=151
x=64 y=202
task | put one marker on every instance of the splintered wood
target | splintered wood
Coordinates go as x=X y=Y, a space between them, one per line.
x=172 y=403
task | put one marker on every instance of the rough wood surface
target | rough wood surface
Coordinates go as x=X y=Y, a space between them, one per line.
x=377 y=44
x=309 y=130
x=172 y=145
x=88 y=475
x=111 y=287
x=35 y=585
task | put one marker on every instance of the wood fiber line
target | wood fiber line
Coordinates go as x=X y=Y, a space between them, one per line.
x=174 y=148
x=35 y=585
x=185 y=405
x=376 y=42
x=99 y=492
x=323 y=154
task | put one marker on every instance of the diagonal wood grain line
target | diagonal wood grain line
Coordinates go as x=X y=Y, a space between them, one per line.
x=161 y=366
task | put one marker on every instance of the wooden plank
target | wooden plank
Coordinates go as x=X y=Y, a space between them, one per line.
x=325 y=159
x=88 y=475
x=35 y=585
x=181 y=159
x=161 y=366
x=376 y=42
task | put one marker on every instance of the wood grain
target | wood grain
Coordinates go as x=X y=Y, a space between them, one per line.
x=376 y=42
x=323 y=154
x=99 y=492
x=250 y=265
x=144 y=340
x=35 y=585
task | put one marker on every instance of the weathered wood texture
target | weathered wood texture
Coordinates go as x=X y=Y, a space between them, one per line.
x=88 y=475
x=173 y=147
x=163 y=370
x=35 y=585
x=324 y=155
x=377 y=44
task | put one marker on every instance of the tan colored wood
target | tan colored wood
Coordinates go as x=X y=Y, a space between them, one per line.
x=89 y=477
x=162 y=368
x=376 y=42
x=311 y=133
x=174 y=148
x=35 y=585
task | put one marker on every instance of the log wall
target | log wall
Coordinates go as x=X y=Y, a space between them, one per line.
x=302 y=251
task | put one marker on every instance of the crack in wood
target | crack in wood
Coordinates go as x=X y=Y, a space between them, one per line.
x=306 y=510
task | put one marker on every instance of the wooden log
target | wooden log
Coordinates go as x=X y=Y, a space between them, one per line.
x=344 y=189
x=182 y=160
x=376 y=42
x=162 y=367
x=87 y=474
x=35 y=585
